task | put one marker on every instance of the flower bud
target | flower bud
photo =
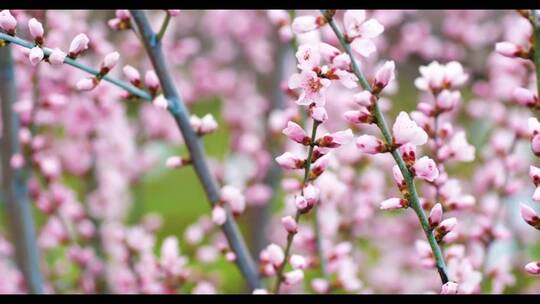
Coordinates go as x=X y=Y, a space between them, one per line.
x=357 y=117
x=336 y=139
x=297 y=261
x=57 y=57
x=161 y=102
x=275 y=255
x=36 y=30
x=86 y=84
x=304 y=24
x=36 y=55
x=289 y=161
x=296 y=133
x=425 y=168
x=444 y=228
x=529 y=215
x=394 y=203
x=132 y=75
x=151 y=80
x=110 y=61
x=448 y=100
x=384 y=75
x=175 y=162
x=364 y=98
x=435 y=215
x=294 y=277
x=7 y=22
x=318 y=113
x=78 y=45
x=290 y=224
x=508 y=49
x=370 y=144
x=525 y=97
x=219 y=215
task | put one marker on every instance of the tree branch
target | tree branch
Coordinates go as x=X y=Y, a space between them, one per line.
x=14 y=186
x=383 y=126
x=180 y=113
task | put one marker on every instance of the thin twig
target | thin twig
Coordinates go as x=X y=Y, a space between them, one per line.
x=290 y=236
x=77 y=64
x=180 y=113
x=382 y=125
x=164 y=26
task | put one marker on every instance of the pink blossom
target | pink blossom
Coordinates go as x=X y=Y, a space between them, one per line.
x=304 y=24
x=318 y=113
x=132 y=75
x=289 y=161
x=86 y=84
x=57 y=57
x=294 y=277
x=394 y=203
x=173 y=12
x=533 y=268
x=110 y=60
x=7 y=22
x=151 y=80
x=36 y=29
x=525 y=97
x=508 y=49
x=35 y=55
x=296 y=133
x=311 y=194
x=425 y=168
x=203 y=126
x=361 y=31
x=384 y=75
x=448 y=100
x=435 y=215
x=308 y=57
x=313 y=88
x=529 y=216
x=447 y=225
x=320 y=285
x=370 y=144
x=320 y=165
x=457 y=149
x=336 y=139
x=219 y=215
x=435 y=76
x=175 y=162
x=276 y=256
x=16 y=161
x=357 y=117
x=78 y=45
x=364 y=98
x=297 y=261
x=234 y=198
x=161 y=102
x=290 y=224
x=534 y=174
x=450 y=288
x=406 y=130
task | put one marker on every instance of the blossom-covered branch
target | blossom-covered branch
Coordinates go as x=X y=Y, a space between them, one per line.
x=177 y=108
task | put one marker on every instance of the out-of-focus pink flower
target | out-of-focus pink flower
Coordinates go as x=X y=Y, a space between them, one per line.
x=311 y=194
x=406 y=130
x=508 y=49
x=289 y=161
x=298 y=261
x=533 y=268
x=294 y=277
x=219 y=215
x=16 y=161
x=435 y=76
x=320 y=285
x=7 y=22
x=304 y=24
x=290 y=224
x=161 y=102
x=457 y=149
x=364 y=98
x=78 y=45
x=319 y=114
x=313 y=88
x=175 y=162
x=448 y=100
x=449 y=288
x=35 y=55
x=425 y=168
x=308 y=57
x=525 y=97
x=86 y=84
x=370 y=144
x=234 y=197
x=529 y=216
x=259 y=291
x=394 y=203
x=205 y=125
x=151 y=80
x=276 y=256
x=173 y=12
